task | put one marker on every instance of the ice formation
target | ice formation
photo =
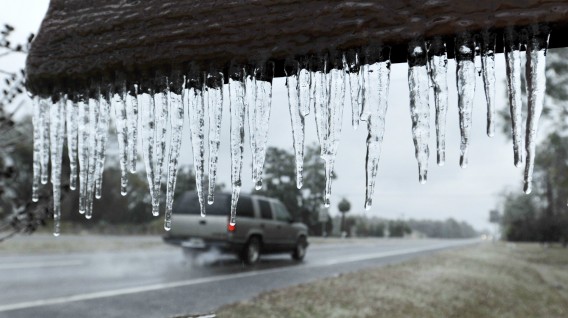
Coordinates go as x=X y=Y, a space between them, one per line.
x=318 y=84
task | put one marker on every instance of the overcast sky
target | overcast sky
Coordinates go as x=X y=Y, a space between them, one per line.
x=465 y=194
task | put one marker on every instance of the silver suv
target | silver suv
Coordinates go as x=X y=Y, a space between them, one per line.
x=263 y=226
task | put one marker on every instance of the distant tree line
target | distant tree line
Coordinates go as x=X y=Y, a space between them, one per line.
x=449 y=228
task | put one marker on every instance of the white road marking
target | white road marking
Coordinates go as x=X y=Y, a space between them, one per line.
x=196 y=281
x=41 y=264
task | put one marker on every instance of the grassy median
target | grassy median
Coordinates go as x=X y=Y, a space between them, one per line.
x=487 y=280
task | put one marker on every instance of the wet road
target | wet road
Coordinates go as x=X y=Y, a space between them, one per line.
x=161 y=282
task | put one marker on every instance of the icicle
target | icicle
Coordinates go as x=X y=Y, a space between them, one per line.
x=536 y=88
x=488 y=69
x=214 y=101
x=71 y=114
x=419 y=106
x=122 y=135
x=258 y=92
x=196 y=114
x=304 y=88
x=176 y=125
x=100 y=142
x=146 y=102
x=379 y=78
x=83 y=151
x=92 y=156
x=352 y=70
x=329 y=100
x=465 y=75
x=237 y=104
x=438 y=62
x=38 y=146
x=57 y=135
x=513 y=64
x=44 y=105
x=161 y=104
x=294 y=90
x=366 y=91
x=132 y=123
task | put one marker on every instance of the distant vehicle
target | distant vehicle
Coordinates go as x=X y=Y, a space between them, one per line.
x=264 y=226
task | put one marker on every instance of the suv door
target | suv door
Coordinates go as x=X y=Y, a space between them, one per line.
x=267 y=224
x=285 y=232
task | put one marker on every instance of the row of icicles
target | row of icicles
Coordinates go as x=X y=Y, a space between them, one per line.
x=84 y=122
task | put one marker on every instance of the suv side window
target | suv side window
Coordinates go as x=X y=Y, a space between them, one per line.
x=244 y=207
x=265 y=209
x=282 y=214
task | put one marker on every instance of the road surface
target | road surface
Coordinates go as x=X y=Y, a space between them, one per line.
x=161 y=282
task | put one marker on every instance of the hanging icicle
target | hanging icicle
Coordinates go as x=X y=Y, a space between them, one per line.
x=100 y=142
x=378 y=91
x=297 y=119
x=258 y=98
x=148 y=118
x=72 y=134
x=38 y=146
x=465 y=75
x=352 y=68
x=537 y=46
x=122 y=134
x=57 y=138
x=162 y=105
x=44 y=105
x=329 y=100
x=488 y=68
x=438 y=67
x=304 y=87
x=196 y=114
x=418 y=87
x=83 y=151
x=92 y=155
x=132 y=123
x=513 y=64
x=237 y=104
x=213 y=98
x=176 y=125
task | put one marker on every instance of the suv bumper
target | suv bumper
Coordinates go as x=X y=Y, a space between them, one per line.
x=203 y=245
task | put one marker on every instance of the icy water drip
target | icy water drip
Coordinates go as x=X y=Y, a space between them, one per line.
x=71 y=112
x=513 y=65
x=488 y=71
x=418 y=87
x=536 y=88
x=214 y=100
x=319 y=83
x=237 y=104
x=119 y=107
x=258 y=99
x=196 y=114
x=438 y=67
x=465 y=76
x=329 y=97
x=176 y=128
x=379 y=79
x=56 y=140
x=295 y=90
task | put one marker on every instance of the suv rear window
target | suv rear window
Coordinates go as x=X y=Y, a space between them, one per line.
x=189 y=204
x=265 y=209
x=244 y=207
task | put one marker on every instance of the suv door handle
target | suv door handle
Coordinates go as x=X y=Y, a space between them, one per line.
x=262 y=225
x=202 y=222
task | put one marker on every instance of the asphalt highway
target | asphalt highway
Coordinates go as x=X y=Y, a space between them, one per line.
x=162 y=282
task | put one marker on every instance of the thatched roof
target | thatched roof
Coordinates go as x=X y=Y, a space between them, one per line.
x=81 y=40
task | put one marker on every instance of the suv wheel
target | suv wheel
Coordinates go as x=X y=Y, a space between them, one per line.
x=300 y=250
x=251 y=252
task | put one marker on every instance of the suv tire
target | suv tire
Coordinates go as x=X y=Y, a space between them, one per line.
x=300 y=250
x=251 y=253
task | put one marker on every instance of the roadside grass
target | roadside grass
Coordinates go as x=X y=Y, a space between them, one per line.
x=486 y=280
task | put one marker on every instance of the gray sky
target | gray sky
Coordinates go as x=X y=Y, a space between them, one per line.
x=465 y=194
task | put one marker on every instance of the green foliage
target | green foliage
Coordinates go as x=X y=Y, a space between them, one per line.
x=398 y=228
x=280 y=182
x=344 y=206
x=449 y=228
